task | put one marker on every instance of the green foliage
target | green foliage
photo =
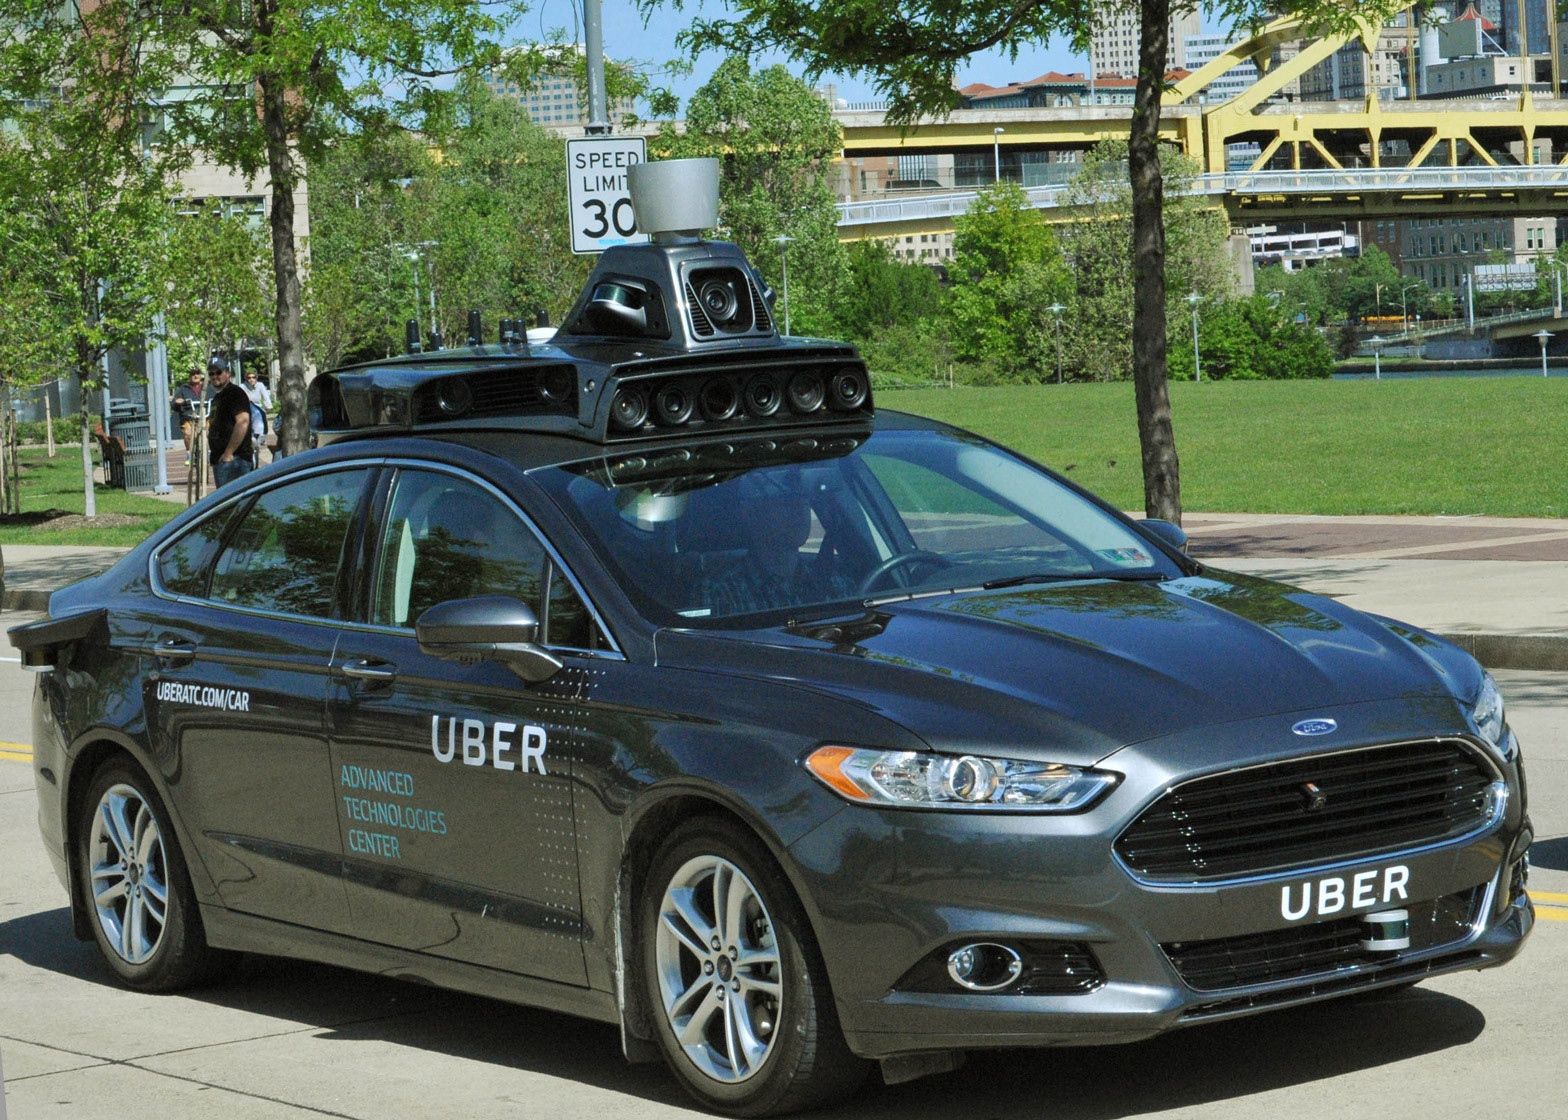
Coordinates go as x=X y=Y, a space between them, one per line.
x=219 y=288
x=1007 y=272
x=775 y=141
x=1347 y=288
x=1249 y=340
x=485 y=214
x=1097 y=328
x=882 y=292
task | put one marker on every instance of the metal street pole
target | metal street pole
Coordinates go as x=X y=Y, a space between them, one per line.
x=593 y=43
x=1377 y=356
x=1056 y=309
x=158 y=402
x=1543 y=336
x=996 y=150
x=782 y=241
x=1197 y=366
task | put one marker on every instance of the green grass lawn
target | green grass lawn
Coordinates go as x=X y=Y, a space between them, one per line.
x=57 y=484
x=1485 y=445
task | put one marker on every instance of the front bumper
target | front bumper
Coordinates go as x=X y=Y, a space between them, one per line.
x=889 y=890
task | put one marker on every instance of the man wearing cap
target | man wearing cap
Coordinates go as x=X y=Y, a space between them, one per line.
x=229 y=428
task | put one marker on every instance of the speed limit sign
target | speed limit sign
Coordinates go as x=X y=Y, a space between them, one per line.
x=599 y=196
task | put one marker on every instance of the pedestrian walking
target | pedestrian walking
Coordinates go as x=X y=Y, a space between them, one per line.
x=187 y=402
x=228 y=429
x=260 y=409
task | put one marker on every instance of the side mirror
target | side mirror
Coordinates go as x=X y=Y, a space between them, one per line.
x=1168 y=532
x=489 y=627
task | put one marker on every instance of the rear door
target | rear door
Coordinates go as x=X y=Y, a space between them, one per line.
x=237 y=686
x=454 y=784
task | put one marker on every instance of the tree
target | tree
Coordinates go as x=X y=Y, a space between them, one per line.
x=78 y=177
x=1007 y=271
x=775 y=141
x=219 y=291
x=911 y=50
x=283 y=78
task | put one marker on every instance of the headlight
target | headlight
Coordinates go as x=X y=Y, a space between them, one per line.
x=920 y=780
x=1487 y=710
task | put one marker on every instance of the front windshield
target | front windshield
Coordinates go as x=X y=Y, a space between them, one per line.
x=725 y=531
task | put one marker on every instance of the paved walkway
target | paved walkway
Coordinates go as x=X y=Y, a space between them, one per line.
x=1498 y=586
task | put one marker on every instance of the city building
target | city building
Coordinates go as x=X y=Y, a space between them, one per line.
x=555 y=100
x=1200 y=50
x=1441 y=251
x=1113 y=46
x=1350 y=73
x=1298 y=247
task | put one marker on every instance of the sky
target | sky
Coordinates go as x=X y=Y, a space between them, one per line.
x=625 y=37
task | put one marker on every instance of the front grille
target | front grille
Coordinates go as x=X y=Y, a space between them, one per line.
x=1310 y=950
x=1261 y=820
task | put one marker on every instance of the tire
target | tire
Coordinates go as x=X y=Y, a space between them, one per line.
x=788 y=1051
x=139 y=901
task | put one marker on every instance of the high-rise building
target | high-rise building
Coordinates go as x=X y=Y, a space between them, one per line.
x=1350 y=73
x=1113 y=47
x=555 y=100
x=1200 y=50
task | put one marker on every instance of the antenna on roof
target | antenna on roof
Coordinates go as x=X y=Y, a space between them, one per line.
x=476 y=334
x=411 y=343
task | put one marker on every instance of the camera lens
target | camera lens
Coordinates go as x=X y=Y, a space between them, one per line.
x=719 y=300
x=555 y=385
x=628 y=410
x=672 y=405
x=719 y=400
x=762 y=396
x=455 y=397
x=805 y=392
x=848 y=390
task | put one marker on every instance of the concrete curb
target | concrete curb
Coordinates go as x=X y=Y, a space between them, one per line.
x=1514 y=651
x=25 y=599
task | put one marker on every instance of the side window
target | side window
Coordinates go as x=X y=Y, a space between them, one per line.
x=183 y=566
x=571 y=626
x=285 y=554
x=445 y=539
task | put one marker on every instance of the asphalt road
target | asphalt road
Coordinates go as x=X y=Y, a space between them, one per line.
x=281 y=1039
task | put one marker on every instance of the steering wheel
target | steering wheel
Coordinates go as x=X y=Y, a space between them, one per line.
x=919 y=556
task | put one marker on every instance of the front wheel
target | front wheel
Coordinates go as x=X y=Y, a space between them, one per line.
x=138 y=895
x=744 y=1015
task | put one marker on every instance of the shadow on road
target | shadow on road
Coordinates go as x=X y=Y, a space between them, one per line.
x=1188 y=1068
x=1550 y=855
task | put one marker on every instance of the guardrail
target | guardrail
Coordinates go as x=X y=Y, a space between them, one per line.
x=1353 y=180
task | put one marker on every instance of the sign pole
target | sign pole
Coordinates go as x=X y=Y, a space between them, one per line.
x=593 y=34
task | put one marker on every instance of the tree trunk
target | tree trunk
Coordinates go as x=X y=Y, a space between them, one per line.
x=1161 y=471
x=293 y=429
x=89 y=502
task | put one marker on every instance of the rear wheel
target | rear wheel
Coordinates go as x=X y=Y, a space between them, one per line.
x=138 y=895
x=732 y=973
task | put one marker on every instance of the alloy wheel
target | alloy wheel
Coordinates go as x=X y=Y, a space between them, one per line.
x=129 y=872
x=717 y=961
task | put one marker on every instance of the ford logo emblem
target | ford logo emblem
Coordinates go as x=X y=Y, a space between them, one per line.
x=1315 y=727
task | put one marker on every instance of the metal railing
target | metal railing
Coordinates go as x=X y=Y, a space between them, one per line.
x=1359 y=180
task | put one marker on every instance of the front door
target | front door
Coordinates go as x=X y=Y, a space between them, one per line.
x=236 y=695
x=454 y=792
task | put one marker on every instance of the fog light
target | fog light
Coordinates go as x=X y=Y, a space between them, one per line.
x=984 y=966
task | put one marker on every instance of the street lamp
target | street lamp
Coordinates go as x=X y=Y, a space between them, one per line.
x=1056 y=309
x=1197 y=367
x=1377 y=296
x=1377 y=345
x=1404 y=310
x=782 y=241
x=996 y=150
x=1543 y=336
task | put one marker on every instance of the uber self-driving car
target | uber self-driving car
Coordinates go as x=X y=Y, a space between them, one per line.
x=654 y=675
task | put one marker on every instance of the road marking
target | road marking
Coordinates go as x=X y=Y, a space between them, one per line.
x=12 y=660
x=1552 y=915
x=1549 y=897
x=16 y=752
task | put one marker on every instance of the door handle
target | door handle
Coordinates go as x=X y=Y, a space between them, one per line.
x=175 y=652
x=375 y=672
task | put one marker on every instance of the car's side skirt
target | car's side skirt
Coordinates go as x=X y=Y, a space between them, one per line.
x=230 y=929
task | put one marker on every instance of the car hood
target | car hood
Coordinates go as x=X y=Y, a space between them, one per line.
x=1076 y=671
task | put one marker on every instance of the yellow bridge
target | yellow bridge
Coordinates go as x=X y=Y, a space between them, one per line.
x=1316 y=159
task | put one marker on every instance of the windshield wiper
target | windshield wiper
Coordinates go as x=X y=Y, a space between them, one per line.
x=1058 y=577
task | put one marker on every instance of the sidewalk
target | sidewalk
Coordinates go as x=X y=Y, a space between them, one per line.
x=1497 y=586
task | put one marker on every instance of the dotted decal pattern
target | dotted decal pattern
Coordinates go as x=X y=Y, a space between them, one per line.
x=563 y=711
